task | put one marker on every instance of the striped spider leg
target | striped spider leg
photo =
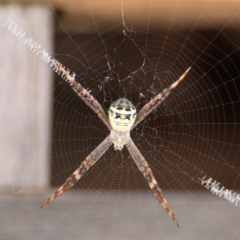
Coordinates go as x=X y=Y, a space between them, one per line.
x=122 y=118
x=147 y=173
x=84 y=95
x=156 y=101
x=85 y=165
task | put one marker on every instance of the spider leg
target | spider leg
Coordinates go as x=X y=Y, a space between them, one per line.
x=147 y=173
x=84 y=94
x=85 y=165
x=156 y=101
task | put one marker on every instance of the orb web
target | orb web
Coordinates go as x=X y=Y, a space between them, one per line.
x=189 y=141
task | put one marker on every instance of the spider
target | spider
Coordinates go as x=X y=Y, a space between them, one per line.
x=122 y=119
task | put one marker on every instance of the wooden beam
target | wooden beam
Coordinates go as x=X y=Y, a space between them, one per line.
x=25 y=96
x=89 y=16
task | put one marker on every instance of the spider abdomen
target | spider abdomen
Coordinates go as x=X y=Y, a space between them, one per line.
x=122 y=114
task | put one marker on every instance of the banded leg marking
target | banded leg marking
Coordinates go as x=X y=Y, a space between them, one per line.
x=85 y=95
x=147 y=173
x=156 y=101
x=85 y=165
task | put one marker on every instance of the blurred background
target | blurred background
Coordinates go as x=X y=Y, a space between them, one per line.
x=130 y=49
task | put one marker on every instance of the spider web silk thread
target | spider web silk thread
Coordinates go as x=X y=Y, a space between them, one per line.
x=210 y=184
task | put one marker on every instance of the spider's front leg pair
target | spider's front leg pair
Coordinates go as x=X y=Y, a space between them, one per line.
x=122 y=119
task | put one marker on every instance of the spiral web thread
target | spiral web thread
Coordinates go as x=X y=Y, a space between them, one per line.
x=187 y=137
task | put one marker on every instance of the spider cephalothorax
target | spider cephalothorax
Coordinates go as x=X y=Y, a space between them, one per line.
x=122 y=118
